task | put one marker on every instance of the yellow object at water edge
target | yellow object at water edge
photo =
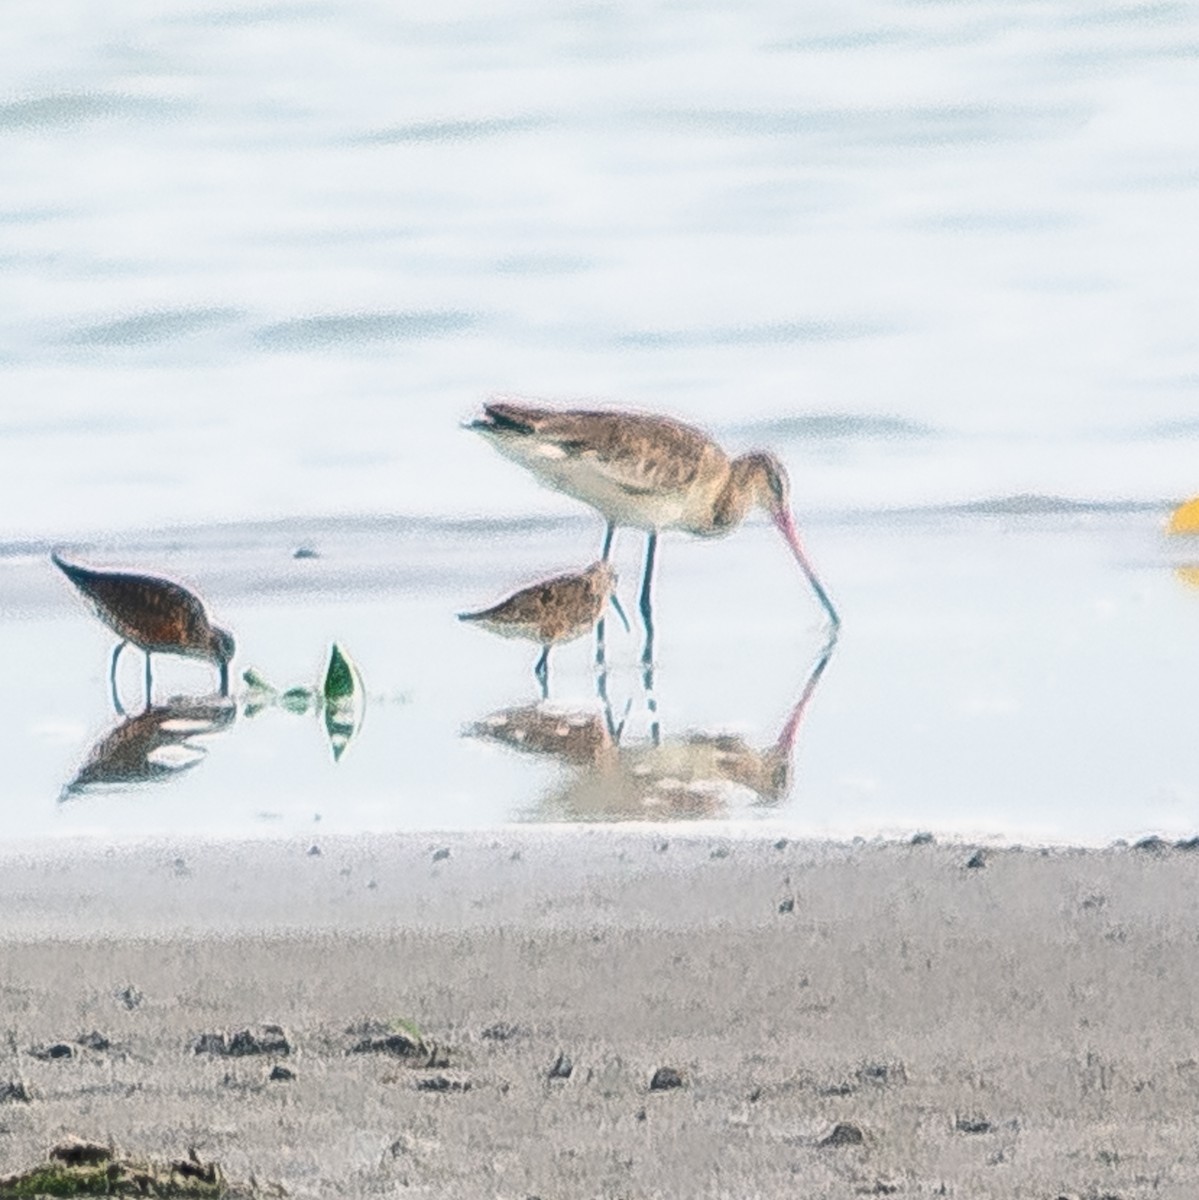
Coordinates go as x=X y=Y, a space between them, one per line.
x=1185 y=518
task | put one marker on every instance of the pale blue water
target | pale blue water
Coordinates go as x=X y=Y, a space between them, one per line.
x=259 y=263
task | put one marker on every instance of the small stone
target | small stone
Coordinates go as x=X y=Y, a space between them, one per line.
x=501 y=1031
x=755 y=1095
x=76 y=1152
x=304 y=552
x=978 y=860
x=720 y=852
x=838 y=1089
x=1152 y=844
x=787 y=905
x=440 y=1083
x=281 y=1074
x=400 y=1045
x=314 y=851
x=562 y=1067
x=269 y=1039
x=843 y=1134
x=442 y=854
x=14 y=1092
x=93 y=1041
x=883 y=1073
x=130 y=997
x=662 y=847
x=1188 y=844
x=923 y=838
x=54 y=1050
x=973 y=1125
x=665 y=1078
x=781 y=844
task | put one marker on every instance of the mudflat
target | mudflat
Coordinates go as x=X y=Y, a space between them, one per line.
x=610 y=1013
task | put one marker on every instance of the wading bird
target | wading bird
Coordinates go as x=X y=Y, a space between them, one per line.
x=553 y=611
x=650 y=472
x=156 y=615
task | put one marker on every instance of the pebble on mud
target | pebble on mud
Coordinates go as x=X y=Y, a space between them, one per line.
x=665 y=1078
x=843 y=1134
x=268 y=1039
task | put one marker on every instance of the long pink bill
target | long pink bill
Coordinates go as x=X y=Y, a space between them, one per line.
x=786 y=524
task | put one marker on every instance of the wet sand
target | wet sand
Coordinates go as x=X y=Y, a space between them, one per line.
x=1023 y=1027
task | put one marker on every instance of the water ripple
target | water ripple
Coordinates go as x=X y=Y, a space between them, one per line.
x=775 y=333
x=356 y=329
x=67 y=110
x=153 y=327
x=828 y=426
x=469 y=130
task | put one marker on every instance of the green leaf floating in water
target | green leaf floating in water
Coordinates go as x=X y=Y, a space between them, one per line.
x=345 y=701
x=339 y=678
x=299 y=699
x=253 y=680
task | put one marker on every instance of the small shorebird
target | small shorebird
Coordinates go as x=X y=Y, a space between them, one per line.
x=650 y=472
x=154 y=614
x=551 y=612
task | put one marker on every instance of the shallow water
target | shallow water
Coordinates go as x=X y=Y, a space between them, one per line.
x=258 y=263
x=1019 y=675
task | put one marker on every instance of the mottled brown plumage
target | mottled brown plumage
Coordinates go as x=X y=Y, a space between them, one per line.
x=649 y=472
x=550 y=612
x=154 y=614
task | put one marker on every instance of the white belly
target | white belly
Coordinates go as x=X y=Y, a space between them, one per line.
x=585 y=480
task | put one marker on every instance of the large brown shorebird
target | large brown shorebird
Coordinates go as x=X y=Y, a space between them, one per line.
x=649 y=472
x=156 y=615
x=553 y=611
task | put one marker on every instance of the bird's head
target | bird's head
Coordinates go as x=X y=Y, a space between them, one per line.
x=760 y=478
x=769 y=482
x=222 y=646
x=602 y=578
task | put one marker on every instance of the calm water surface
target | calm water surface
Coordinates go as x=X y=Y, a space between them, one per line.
x=257 y=263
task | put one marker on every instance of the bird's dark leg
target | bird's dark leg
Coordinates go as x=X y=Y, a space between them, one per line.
x=601 y=658
x=542 y=671
x=224 y=678
x=647 y=607
x=149 y=679
x=647 y=616
x=112 y=679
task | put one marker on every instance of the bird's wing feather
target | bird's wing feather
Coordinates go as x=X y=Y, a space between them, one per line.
x=638 y=453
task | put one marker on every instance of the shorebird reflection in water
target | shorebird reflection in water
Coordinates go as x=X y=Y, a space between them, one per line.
x=686 y=777
x=553 y=611
x=649 y=472
x=155 y=744
x=156 y=615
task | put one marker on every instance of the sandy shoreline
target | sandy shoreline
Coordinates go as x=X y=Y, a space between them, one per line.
x=1021 y=1029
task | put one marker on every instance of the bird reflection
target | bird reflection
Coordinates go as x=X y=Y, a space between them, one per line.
x=691 y=776
x=156 y=744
